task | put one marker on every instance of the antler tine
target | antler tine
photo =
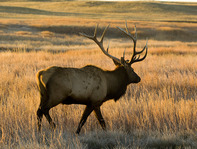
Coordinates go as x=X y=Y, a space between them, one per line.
x=135 y=29
x=95 y=31
x=88 y=36
x=108 y=47
x=100 y=43
x=146 y=46
x=138 y=59
x=124 y=53
x=103 y=35
x=126 y=26
x=127 y=32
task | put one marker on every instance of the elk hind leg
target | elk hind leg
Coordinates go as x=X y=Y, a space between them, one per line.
x=40 y=111
x=49 y=119
x=39 y=118
x=44 y=110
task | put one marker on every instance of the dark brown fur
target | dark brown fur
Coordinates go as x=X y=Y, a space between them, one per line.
x=108 y=84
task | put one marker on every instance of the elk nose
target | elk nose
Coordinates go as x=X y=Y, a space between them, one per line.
x=139 y=79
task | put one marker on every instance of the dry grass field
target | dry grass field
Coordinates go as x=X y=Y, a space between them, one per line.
x=159 y=112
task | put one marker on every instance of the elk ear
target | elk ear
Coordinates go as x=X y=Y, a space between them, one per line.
x=116 y=63
x=121 y=63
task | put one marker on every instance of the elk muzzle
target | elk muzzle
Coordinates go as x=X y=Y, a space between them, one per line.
x=138 y=79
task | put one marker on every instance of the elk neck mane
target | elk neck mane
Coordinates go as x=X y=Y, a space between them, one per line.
x=117 y=81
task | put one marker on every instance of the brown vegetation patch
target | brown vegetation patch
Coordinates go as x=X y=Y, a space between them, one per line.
x=47 y=34
x=22 y=33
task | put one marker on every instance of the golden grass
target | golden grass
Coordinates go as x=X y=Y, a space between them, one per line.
x=159 y=111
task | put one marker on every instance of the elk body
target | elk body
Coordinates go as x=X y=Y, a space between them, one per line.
x=90 y=85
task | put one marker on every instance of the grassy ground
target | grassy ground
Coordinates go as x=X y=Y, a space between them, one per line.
x=160 y=111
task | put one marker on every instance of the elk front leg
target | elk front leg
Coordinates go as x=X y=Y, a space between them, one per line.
x=84 y=117
x=99 y=116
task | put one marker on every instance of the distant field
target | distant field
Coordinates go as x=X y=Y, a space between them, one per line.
x=159 y=112
x=150 y=11
x=56 y=25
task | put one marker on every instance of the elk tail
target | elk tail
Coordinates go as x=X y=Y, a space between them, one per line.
x=42 y=88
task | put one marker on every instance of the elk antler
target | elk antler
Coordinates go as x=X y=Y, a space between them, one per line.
x=100 y=43
x=134 y=57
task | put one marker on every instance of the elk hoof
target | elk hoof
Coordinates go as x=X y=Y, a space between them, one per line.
x=53 y=126
x=77 y=132
x=39 y=129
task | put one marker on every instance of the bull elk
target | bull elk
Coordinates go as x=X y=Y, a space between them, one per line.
x=90 y=85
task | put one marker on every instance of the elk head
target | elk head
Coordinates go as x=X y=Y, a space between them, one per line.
x=133 y=77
